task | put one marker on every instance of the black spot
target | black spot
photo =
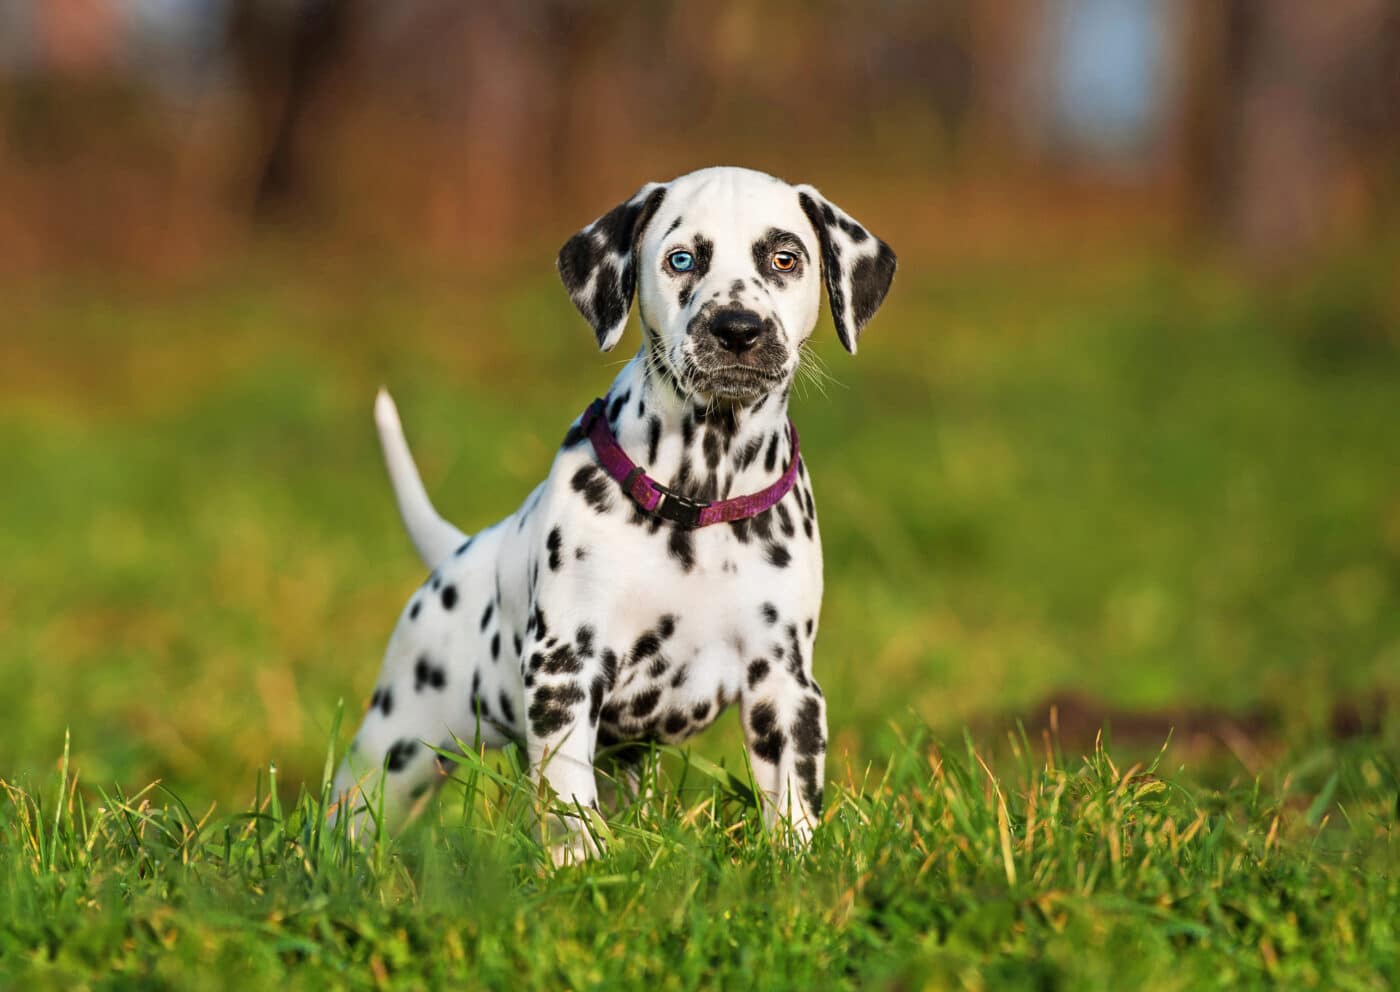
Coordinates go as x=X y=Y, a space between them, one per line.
x=609 y=667
x=679 y=678
x=763 y=719
x=701 y=710
x=653 y=438
x=583 y=637
x=746 y=455
x=617 y=404
x=580 y=553
x=553 y=543
x=647 y=645
x=475 y=704
x=573 y=436
x=563 y=661
x=496 y=646
x=414 y=609
x=710 y=445
x=515 y=639
x=426 y=674
x=400 y=753
x=758 y=671
x=486 y=615
x=551 y=707
x=676 y=721
x=794 y=656
x=777 y=555
x=785 y=521
x=596 y=692
x=811 y=789
x=541 y=628
x=703 y=252
x=449 y=597
x=810 y=626
x=770 y=614
x=768 y=741
x=870 y=281
x=770 y=457
x=807 y=728
x=645 y=701
x=462 y=548
x=507 y=710
x=856 y=233
x=681 y=546
x=658 y=666
x=776 y=240
x=593 y=484
x=666 y=626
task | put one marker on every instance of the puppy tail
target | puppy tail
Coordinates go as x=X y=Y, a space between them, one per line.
x=432 y=536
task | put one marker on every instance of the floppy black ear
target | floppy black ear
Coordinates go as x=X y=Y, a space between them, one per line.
x=857 y=266
x=599 y=263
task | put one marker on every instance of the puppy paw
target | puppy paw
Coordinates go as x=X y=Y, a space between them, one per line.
x=574 y=850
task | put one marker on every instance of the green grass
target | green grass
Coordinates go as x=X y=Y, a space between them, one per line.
x=1146 y=483
x=931 y=871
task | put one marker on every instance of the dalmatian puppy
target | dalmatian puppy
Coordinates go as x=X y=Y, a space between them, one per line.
x=634 y=600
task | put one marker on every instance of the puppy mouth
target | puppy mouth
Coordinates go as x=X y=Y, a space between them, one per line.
x=737 y=381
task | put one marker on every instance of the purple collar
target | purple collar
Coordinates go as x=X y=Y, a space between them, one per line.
x=657 y=500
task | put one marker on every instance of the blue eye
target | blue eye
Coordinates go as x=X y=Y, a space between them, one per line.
x=680 y=261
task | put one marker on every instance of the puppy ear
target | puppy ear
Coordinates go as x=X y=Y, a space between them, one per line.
x=857 y=266
x=599 y=264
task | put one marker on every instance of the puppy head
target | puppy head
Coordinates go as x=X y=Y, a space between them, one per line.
x=728 y=266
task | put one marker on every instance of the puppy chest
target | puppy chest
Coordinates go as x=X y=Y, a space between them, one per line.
x=670 y=688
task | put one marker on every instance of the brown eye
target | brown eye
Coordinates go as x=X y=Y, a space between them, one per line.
x=784 y=261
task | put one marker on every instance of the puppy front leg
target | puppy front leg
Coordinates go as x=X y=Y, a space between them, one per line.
x=785 y=731
x=560 y=736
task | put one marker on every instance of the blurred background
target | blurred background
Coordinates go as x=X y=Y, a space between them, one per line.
x=1134 y=394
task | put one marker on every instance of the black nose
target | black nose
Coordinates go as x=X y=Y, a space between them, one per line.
x=736 y=330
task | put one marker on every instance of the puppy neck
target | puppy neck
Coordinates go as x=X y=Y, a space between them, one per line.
x=702 y=449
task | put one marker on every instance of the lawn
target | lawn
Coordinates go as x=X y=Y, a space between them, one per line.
x=1148 y=488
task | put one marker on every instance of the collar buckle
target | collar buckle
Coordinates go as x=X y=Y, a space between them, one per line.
x=677 y=508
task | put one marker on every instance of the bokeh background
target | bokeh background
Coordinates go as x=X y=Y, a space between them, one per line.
x=1124 y=442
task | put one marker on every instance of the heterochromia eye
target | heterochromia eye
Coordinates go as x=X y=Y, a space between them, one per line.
x=681 y=261
x=784 y=261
